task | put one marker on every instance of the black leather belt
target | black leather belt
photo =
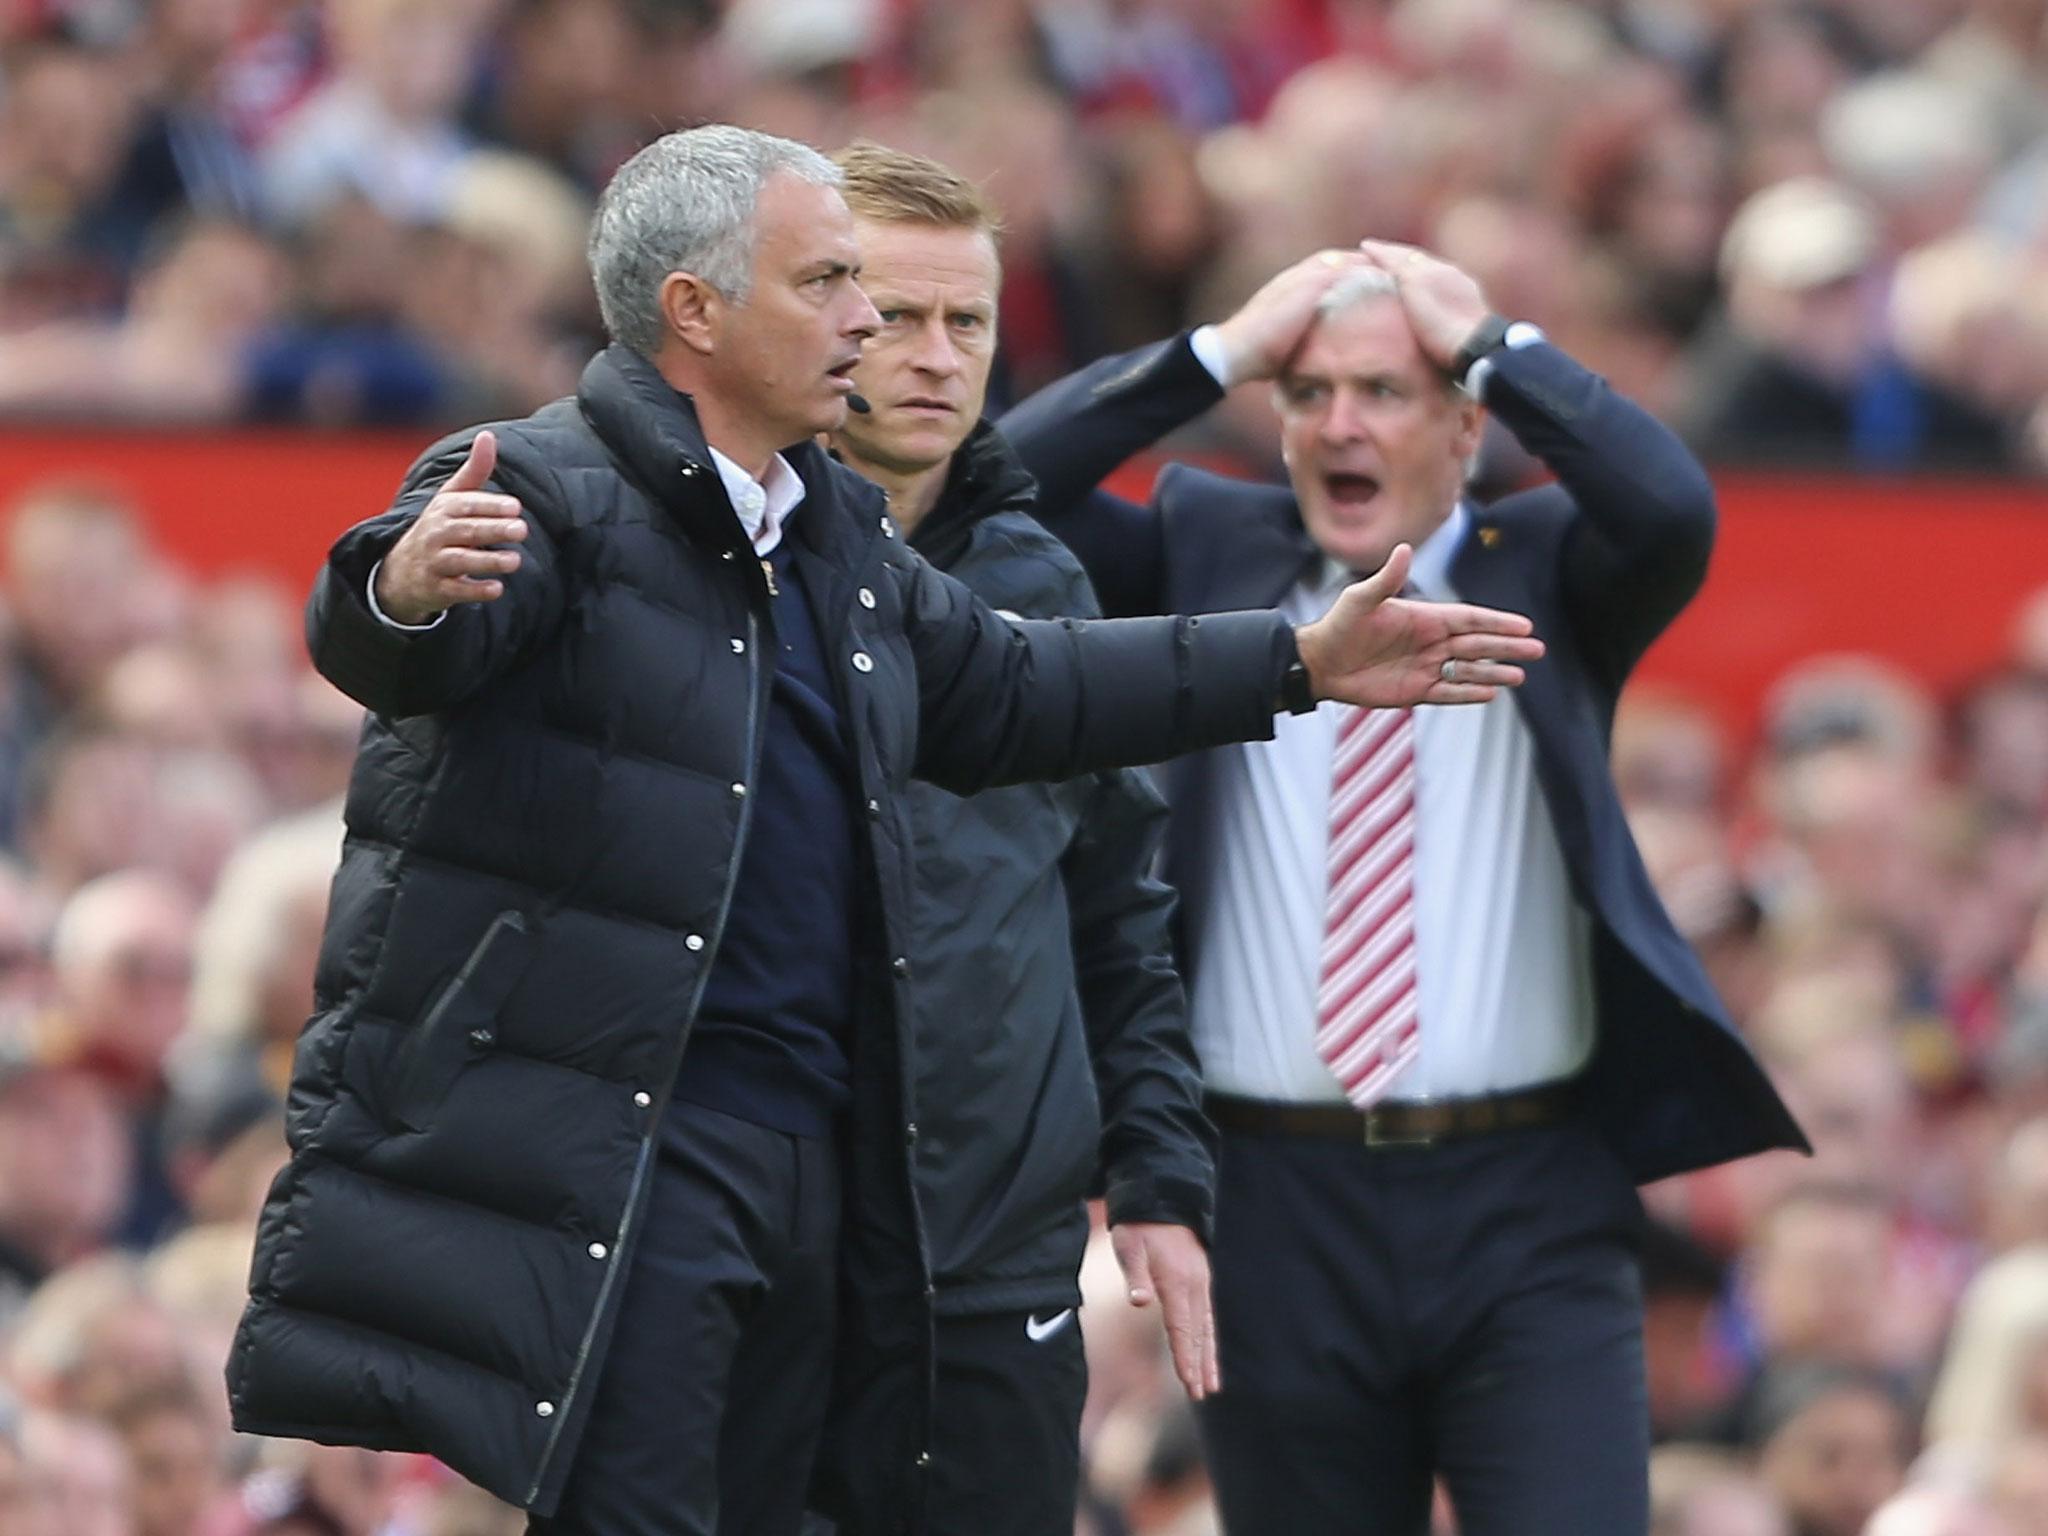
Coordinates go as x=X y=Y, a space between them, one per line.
x=1414 y=1123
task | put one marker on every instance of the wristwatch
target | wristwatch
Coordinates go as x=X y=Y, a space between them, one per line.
x=1490 y=333
x=1296 y=696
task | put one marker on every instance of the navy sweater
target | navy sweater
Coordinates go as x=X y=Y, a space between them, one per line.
x=770 y=1040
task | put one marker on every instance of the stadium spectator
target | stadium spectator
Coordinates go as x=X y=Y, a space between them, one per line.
x=384 y=126
x=1702 y=1491
x=1832 y=1442
x=77 y=1473
x=65 y=1162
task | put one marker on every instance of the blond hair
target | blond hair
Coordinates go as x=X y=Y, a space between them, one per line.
x=1979 y=1398
x=893 y=186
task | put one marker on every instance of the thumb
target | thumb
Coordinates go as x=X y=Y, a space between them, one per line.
x=1137 y=1268
x=476 y=469
x=1389 y=578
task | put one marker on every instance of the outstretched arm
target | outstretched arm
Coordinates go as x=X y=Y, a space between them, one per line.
x=1004 y=701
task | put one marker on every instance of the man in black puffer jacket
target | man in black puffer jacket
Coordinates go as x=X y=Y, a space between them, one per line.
x=610 y=1004
x=1051 y=1036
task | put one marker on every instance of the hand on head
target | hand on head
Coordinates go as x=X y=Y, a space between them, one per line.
x=1444 y=305
x=1271 y=325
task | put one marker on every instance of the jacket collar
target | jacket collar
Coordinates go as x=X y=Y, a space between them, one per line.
x=985 y=477
x=651 y=427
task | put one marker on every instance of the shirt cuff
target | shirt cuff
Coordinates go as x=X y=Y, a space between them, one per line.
x=1208 y=349
x=1520 y=334
x=370 y=592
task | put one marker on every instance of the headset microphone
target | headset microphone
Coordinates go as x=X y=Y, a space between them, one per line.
x=858 y=403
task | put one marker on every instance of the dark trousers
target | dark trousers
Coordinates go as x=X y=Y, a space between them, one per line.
x=1006 y=1424
x=707 y=1416
x=1471 y=1310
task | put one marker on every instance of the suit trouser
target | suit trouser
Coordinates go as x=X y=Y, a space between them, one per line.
x=712 y=1398
x=1471 y=1310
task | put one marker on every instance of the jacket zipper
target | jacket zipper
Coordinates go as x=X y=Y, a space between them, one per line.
x=622 y=1245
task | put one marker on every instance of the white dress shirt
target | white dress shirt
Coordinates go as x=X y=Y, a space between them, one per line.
x=1504 y=981
x=763 y=506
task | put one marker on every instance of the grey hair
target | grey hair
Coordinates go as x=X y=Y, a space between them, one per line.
x=1356 y=286
x=686 y=203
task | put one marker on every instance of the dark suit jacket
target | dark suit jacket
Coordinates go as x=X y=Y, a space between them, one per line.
x=1602 y=561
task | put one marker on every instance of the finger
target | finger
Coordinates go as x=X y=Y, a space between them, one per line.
x=1392 y=252
x=455 y=504
x=1483 y=647
x=1185 y=1343
x=480 y=563
x=1465 y=618
x=476 y=469
x=478 y=531
x=1327 y=266
x=1389 y=579
x=1457 y=693
x=1490 y=674
x=1138 y=1277
x=462 y=589
x=1212 y=1374
x=1200 y=1343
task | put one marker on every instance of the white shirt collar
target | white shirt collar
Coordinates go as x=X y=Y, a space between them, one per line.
x=1430 y=571
x=763 y=505
x=1430 y=574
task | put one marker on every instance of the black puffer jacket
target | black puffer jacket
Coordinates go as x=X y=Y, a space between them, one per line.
x=1036 y=910
x=545 y=817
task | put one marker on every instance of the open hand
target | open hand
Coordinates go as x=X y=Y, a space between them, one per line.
x=1168 y=1263
x=1264 y=333
x=1382 y=651
x=448 y=556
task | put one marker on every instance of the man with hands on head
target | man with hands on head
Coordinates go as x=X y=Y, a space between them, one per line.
x=1050 y=1026
x=602 y=1104
x=1445 y=1024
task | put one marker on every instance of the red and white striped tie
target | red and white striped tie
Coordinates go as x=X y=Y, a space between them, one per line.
x=1366 y=1025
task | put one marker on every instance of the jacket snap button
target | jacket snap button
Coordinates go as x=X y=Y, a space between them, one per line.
x=545 y=1410
x=725 y=554
x=867 y=597
x=901 y=966
x=910 y=1134
x=888 y=527
x=863 y=662
x=643 y=1098
x=875 y=809
x=739 y=646
x=924 y=1458
x=739 y=791
x=694 y=942
x=481 y=1037
x=598 y=1250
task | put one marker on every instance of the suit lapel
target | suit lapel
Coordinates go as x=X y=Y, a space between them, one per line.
x=1261 y=566
x=1486 y=571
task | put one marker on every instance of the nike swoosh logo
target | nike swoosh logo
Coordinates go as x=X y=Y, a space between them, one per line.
x=1038 y=1332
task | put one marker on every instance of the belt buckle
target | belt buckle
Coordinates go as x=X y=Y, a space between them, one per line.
x=1377 y=1136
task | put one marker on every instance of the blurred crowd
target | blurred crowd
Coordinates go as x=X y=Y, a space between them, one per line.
x=1803 y=229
